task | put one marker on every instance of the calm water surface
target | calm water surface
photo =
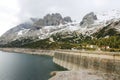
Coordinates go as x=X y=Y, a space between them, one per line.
x=14 y=66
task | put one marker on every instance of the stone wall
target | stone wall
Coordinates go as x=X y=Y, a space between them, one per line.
x=103 y=61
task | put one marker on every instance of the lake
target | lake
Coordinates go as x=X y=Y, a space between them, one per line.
x=17 y=66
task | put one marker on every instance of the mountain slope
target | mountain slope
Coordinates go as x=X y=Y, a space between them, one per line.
x=34 y=28
x=16 y=32
x=93 y=25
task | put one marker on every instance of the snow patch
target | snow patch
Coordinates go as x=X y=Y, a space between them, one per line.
x=22 y=32
x=107 y=15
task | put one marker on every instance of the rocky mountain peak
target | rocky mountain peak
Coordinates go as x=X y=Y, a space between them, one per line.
x=88 y=19
x=53 y=19
x=67 y=19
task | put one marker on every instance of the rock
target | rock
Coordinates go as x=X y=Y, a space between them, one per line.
x=53 y=73
x=50 y=20
x=67 y=19
x=54 y=19
x=88 y=19
x=40 y=22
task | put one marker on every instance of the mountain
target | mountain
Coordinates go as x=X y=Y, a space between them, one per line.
x=16 y=32
x=93 y=24
x=35 y=28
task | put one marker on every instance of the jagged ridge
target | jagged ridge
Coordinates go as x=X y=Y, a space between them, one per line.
x=92 y=24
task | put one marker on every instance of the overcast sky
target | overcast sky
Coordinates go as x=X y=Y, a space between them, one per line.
x=13 y=12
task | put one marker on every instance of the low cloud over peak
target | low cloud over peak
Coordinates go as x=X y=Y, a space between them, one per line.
x=12 y=12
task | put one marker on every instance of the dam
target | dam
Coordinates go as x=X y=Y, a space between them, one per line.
x=107 y=62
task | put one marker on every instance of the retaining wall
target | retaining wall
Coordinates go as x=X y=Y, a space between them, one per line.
x=74 y=60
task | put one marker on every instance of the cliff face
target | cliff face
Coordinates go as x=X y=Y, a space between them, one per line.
x=52 y=20
x=88 y=19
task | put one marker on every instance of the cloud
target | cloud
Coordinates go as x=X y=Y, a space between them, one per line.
x=38 y=8
x=8 y=14
x=100 y=3
x=74 y=8
x=12 y=12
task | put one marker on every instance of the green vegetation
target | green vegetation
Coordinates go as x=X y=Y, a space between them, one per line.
x=106 y=31
x=111 y=43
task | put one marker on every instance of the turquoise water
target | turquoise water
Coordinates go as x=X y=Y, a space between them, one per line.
x=15 y=66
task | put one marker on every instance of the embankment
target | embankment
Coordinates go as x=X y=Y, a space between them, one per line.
x=29 y=51
x=108 y=62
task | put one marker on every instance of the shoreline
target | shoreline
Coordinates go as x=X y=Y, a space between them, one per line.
x=29 y=51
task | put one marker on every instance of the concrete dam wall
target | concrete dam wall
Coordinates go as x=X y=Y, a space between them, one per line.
x=103 y=61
